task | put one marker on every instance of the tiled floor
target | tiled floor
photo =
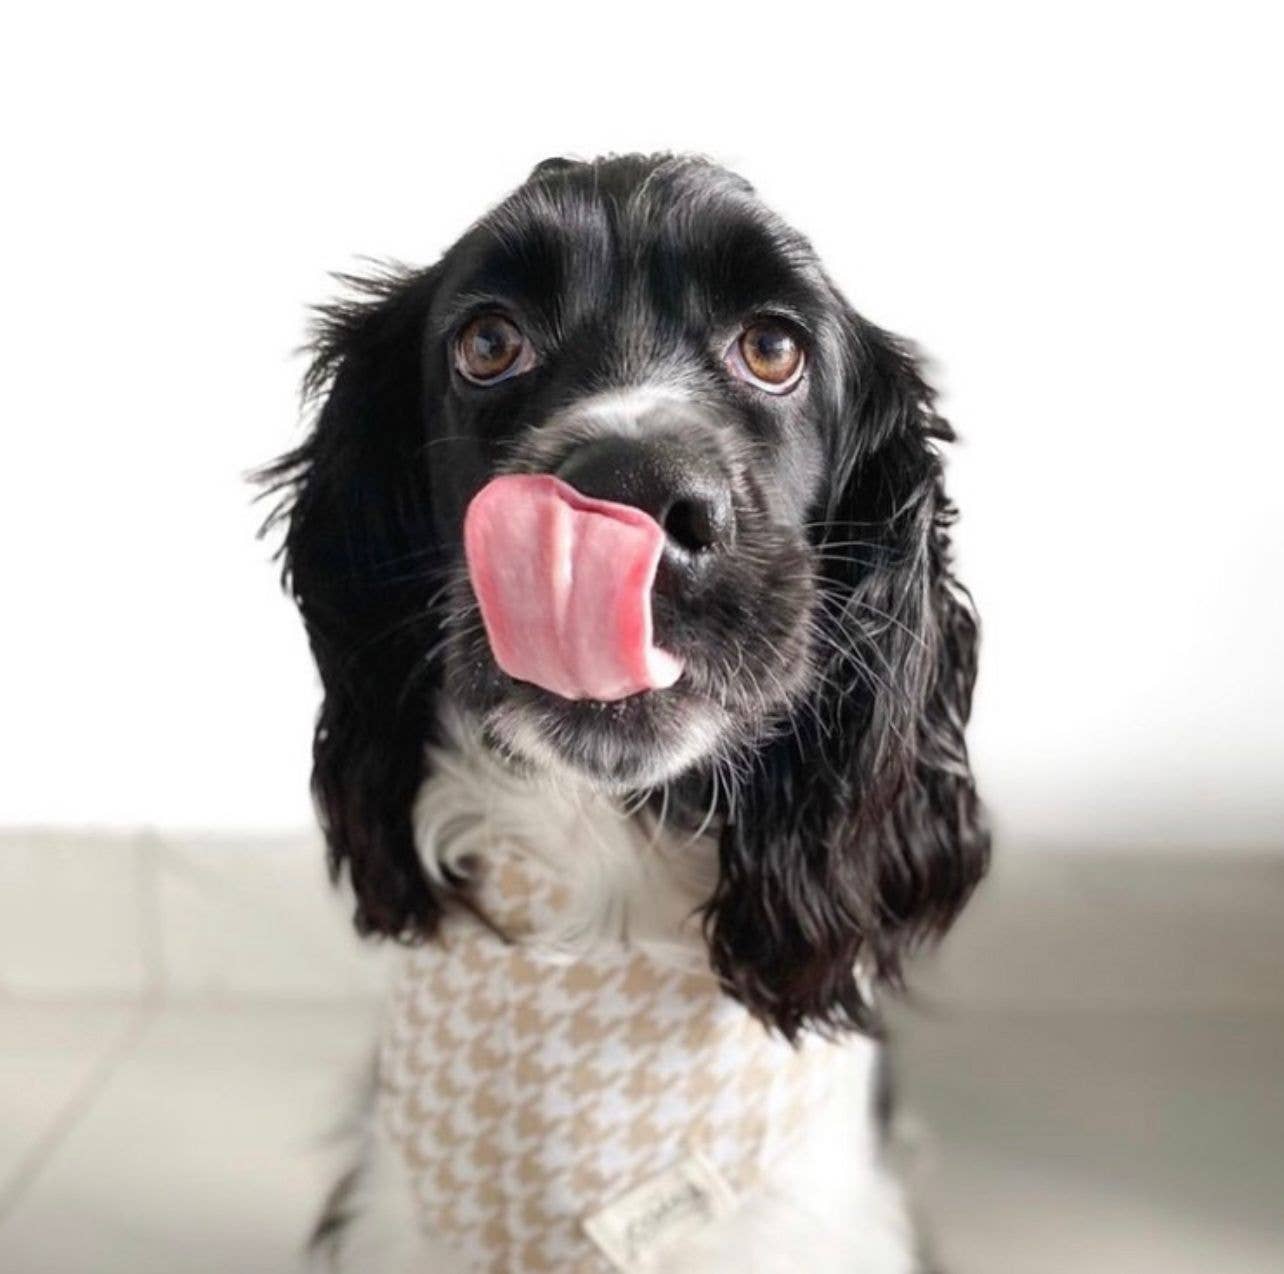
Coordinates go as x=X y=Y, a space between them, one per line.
x=189 y=1138
x=1060 y=1122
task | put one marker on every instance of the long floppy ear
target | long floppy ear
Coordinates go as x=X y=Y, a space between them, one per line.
x=362 y=560
x=859 y=834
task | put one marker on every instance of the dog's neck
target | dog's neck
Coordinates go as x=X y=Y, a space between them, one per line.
x=625 y=875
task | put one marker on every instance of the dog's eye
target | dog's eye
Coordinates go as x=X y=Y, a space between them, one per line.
x=767 y=354
x=491 y=348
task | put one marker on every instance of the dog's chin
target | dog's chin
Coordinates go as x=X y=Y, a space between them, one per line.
x=625 y=746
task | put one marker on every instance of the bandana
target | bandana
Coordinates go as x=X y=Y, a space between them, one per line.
x=574 y=1115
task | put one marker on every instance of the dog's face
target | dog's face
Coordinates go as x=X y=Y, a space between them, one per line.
x=656 y=337
x=646 y=331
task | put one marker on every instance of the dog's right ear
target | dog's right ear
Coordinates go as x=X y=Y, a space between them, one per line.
x=361 y=557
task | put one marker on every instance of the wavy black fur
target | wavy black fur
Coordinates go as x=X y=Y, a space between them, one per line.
x=361 y=556
x=861 y=834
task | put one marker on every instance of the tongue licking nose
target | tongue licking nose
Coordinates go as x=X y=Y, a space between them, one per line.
x=564 y=583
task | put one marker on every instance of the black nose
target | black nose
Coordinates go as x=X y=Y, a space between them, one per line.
x=683 y=490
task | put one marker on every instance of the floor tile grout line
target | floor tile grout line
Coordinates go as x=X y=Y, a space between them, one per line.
x=31 y=1164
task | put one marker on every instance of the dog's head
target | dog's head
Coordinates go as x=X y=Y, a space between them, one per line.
x=645 y=330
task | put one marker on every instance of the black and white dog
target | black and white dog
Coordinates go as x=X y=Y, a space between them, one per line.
x=622 y=547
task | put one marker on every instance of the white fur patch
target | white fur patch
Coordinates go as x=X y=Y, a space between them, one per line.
x=630 y=878
x=619 y=412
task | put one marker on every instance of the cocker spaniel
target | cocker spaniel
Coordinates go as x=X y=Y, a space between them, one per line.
x=623 y=551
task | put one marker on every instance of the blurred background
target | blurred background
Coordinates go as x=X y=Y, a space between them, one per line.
x=1075 y=210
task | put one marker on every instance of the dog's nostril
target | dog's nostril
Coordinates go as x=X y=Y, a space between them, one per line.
x=699 y=516
x=692 y=524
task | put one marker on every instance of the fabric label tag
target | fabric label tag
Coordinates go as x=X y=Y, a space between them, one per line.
x=639 y=1224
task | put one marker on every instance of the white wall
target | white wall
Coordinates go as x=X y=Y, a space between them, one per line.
x=1078 y=214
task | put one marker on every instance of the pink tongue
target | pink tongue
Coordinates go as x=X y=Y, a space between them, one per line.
x=564 y=583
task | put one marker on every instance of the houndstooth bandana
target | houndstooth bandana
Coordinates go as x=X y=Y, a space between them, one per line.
x=573 y=1116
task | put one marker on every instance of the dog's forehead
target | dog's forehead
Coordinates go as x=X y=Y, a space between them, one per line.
x=675 y=241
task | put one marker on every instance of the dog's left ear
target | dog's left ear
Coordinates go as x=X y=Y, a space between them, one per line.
x=860 y=834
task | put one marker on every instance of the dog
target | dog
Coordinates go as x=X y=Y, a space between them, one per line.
x=622 y=546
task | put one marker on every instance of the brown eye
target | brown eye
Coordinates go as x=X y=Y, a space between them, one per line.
x=489 y=348
x=770 y=354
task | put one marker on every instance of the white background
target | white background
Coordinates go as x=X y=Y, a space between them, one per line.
x=1077 y=213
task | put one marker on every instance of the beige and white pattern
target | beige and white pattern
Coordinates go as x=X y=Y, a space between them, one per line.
x=526 y=1089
